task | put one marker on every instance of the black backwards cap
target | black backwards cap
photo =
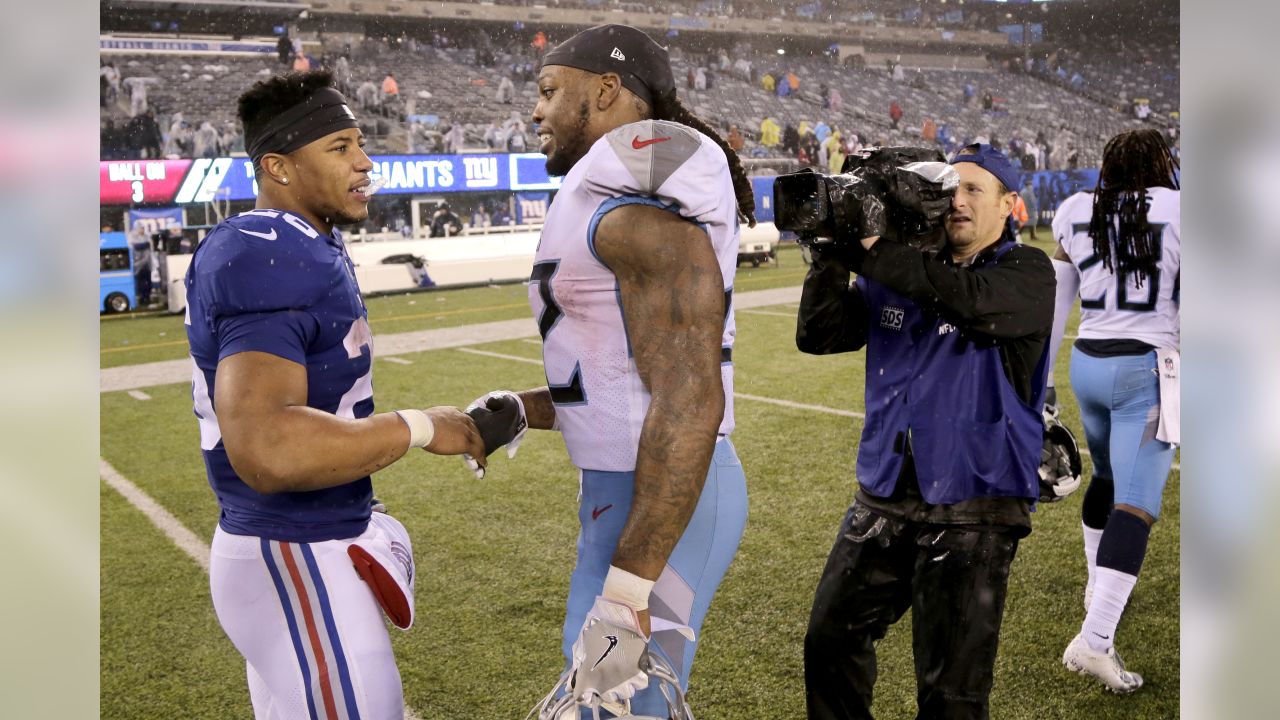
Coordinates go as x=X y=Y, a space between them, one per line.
x=641 y=63
x=324 y=111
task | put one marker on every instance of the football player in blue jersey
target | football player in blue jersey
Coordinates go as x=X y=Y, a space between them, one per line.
x=282 y=384
x=637 y=327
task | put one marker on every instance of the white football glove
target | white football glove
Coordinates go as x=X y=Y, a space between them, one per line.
x=500 y=418
x=607 y=655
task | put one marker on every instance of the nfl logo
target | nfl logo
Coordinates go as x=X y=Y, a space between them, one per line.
x=1168 y=364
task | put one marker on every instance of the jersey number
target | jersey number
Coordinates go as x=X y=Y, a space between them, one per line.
x=1151 y=284
x=570 y=393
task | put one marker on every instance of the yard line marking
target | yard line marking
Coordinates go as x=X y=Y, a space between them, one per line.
x=186 y=540
x=500 y=356
x=139 y=395
x=799 y=406
x=736 y=395
x=790 y=316
x=161 y=518
x=531 y=341
x=127 y=348
x=398 y=360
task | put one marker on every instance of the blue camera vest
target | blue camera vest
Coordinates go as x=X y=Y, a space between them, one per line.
x=946 y=390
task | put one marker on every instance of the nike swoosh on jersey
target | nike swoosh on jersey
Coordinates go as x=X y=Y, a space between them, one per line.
x=598 y=511
x=265 y=236
x=638 y=144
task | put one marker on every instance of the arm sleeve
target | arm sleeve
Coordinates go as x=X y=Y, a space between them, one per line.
x=1011 y=299
x=286 y=334
x=833 y=314
x=1068 y=286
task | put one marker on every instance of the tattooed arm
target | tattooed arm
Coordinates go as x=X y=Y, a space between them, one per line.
x=672 y=294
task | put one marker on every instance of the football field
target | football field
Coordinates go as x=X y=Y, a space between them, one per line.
x=494 y=556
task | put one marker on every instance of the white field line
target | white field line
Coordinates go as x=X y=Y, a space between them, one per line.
x=397 y=360
x=171 y=526
x=770 y=313
x=736 y=395
x=531 y=341
x=161 y=518
x=139 y=395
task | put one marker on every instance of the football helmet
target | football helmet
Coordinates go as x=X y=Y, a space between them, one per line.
x=1060 y=464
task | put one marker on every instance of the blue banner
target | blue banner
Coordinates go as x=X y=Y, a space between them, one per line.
x=145 y=223
x=212 y=179
x=762 y=188
x=532 y=207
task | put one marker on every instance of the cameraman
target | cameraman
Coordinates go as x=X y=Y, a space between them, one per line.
x=947 y=465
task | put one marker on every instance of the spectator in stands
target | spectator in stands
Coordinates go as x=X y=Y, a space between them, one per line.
x=929 y=131
x=232 y=140
x=506 y=91
x=969 y=92
x=821 y=131
x=109 y=140
x=493 y=136
x=1032 y=204
x=301 y=63
x=767 y=82
x=390 y=88
x=835 y=152
x=137 y=87
x=700 y=79
x=296 y=48
x=809 y=148
x=1142 y=110
x=480 y=217
x=898 y=73
x=837 y=100
x=342 y=74
x=444 y=223
x=417 y=137
x=110 y=79
x=895 y=112
x=454 y=139
x=284 y=49
x=783 y=87
x=770 y=132
x=735 y=139
x=150 y=138
x=793 y=83
x=367 y=96
x=206 y=141
x=790 y=139
x=988 y=100
x=539 y=43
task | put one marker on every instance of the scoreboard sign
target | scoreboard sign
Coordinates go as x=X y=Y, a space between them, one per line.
x=132 y=182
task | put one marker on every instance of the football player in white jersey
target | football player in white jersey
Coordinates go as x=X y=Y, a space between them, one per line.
x=1119 y=252
x=282 y=386
x=632 y=288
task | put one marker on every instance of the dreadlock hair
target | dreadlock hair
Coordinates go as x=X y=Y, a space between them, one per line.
x=1132 y=161
x=266 y=99
x=668 y=107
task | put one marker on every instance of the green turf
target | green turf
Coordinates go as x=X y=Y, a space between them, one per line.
x=149 y=337
x=494 y=555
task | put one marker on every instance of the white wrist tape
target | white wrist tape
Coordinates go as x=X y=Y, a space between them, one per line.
x=627 y=588
x=421 y=429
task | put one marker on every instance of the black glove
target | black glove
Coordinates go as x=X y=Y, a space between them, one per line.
x=500 y=418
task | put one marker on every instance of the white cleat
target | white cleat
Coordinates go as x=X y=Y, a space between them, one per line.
x=1105 y=666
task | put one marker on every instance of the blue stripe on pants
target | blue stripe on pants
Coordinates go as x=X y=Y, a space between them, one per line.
x=1119 y=405
x=701 y=558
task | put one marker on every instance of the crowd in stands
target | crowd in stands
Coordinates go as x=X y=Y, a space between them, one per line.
x=473 y=91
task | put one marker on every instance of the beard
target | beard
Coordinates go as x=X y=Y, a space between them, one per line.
x=570 y=145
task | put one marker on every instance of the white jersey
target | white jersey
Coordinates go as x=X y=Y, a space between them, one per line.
x=1111 y=310
x=600 y=399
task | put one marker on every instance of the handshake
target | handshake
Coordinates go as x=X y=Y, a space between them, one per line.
x=500 y=418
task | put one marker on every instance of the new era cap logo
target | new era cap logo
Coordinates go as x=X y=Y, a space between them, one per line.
x=617 y=55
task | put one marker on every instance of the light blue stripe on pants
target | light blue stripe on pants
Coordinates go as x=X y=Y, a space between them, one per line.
x=694 y=570
x=1119 y=406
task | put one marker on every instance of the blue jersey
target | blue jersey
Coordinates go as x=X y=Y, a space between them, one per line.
x=267 y=281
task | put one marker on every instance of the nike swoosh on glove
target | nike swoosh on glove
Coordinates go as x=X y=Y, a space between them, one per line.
x=500 y=418
x=607 y=655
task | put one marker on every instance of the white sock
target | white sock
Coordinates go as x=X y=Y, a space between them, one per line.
x=1091 y=539
x=1111 y=591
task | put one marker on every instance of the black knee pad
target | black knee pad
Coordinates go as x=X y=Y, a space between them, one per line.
x=1098 y=499
x=1124 y=543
